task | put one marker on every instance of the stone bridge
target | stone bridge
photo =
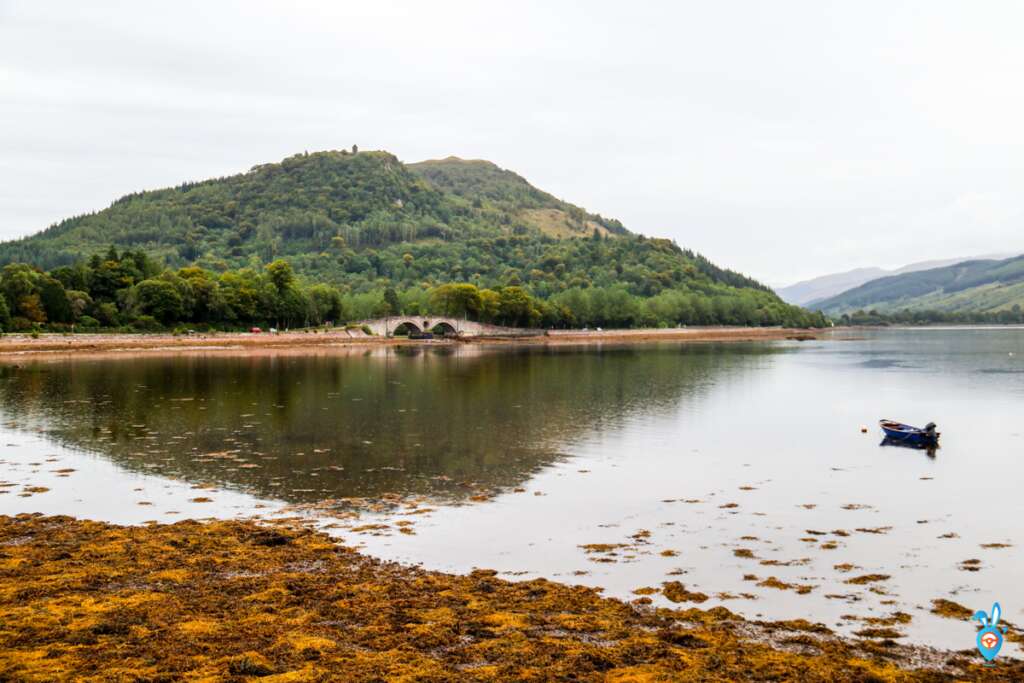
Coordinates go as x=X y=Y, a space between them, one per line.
x=454 y=327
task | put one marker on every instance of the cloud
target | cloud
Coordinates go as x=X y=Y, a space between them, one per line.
x=785 y=140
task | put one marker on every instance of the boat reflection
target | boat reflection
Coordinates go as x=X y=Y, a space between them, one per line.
x=929 y=449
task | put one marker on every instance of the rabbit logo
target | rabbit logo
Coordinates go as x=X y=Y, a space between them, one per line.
x=990 y=637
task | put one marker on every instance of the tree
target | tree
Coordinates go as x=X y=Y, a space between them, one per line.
x=293 y=308
x=55 y=300
x=242 y=297
x=325 y=303
x=490 y=305
x=31 y=308
x=18 y=282
x=72 y=277
x=107 y=314
x=391 y=303
x=516 y=308
x=110 y=277
x=160 y=299
x=5 y=315
x=206 y=303
x=80 y=302
x=456 y=300
x=281 y=274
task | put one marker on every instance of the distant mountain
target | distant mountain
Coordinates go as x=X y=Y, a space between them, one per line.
x=810 y=292
x=978 y=286
x=802 y=293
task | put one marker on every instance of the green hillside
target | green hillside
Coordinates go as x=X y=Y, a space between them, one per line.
x=981 y=286
x=365 y=223
x=478 y=181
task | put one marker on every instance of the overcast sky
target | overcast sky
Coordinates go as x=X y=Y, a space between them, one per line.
x=782 y=139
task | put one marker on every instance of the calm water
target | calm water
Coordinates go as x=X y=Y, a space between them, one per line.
x=680 y=455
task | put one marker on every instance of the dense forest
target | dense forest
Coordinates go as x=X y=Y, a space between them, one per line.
x=335 y=236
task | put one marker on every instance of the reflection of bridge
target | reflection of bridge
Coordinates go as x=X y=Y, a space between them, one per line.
x=386 y=327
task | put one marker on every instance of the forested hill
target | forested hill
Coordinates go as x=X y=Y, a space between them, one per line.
x=979 y=286
x=366 y=222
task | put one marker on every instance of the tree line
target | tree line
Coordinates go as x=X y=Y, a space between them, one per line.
x=1008 y=316
x=130 y=290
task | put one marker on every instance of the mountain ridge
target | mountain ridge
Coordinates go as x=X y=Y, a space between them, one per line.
x=973 y=286
x=813 y=290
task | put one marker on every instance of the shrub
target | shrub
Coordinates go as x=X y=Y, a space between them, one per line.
x=88 y=321
x=107 y=314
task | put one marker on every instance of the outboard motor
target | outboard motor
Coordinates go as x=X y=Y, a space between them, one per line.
x=930 y=428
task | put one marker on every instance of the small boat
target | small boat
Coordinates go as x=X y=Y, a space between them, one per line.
x=897 y=432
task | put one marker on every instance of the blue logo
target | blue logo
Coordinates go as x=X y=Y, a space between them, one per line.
x=990 y=637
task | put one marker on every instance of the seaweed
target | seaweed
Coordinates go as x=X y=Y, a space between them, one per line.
x=867 y=578
x=676 y=592
x=950 y=610
x=235 y=600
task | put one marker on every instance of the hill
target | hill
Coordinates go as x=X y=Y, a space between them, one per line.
x=979 y=286
x=364 y=222
x=810 y=292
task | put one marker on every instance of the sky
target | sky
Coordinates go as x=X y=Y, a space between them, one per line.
x=783 y=139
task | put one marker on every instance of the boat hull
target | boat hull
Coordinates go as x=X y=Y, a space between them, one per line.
x=905 y=434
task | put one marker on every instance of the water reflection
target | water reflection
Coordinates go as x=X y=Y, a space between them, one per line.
x=444 y=421
x=929 y=449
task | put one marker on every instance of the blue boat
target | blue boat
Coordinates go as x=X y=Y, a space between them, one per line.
x=897 y=432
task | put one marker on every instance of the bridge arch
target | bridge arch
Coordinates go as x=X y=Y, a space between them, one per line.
x=445 y=328
x=406 y=327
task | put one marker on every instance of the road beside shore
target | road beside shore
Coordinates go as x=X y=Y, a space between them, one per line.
x=23 y=345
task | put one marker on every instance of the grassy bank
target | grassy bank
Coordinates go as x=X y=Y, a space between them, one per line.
x=238 y=601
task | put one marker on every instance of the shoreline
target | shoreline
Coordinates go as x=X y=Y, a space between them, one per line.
x=131 y=344
x=233 y=599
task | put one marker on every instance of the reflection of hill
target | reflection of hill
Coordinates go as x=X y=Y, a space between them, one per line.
x=307 y=427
